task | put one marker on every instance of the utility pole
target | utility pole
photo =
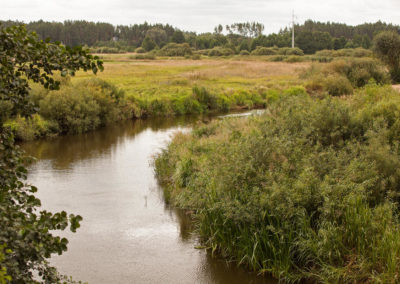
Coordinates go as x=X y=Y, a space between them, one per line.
x=293 y=29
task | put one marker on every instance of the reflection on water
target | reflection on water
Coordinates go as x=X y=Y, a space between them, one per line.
x=129 y=234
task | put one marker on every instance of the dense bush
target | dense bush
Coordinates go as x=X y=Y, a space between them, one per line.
x=290 y=51
x=308 y=190
x=220 y=51
x=294 y=58
x=107 y=50
x=76 y=108
x=140 y=50
x=346 y=52
x=143 y=56
x=175 y=49
x=340 y=77
x=359 y=71
x=264 y=51
x=83 y=106
x=337 y=85
x=387 y=48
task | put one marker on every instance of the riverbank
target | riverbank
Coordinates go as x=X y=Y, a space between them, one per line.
x=309 y=190
x=130 y=89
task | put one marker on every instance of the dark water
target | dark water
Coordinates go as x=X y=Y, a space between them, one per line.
x=129 y=234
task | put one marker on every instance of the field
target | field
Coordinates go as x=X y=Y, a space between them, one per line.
x=149 y=79
x=168 y=86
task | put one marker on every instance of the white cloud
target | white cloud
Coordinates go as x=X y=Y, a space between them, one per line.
x=203 y=15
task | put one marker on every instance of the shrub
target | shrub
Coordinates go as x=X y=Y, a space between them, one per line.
x=294 y=58
x=220 y=51
x=175 y=49
x=358 y=71
x=264 y=51
x=337 y=85
x=140 y=50
x=277 y=58
x=26 y=129
x=308 y=190
x=143 y=56
x=148 y=44
x=84 y=106
x=196 y=57
x=387 y=48
x=244 y=52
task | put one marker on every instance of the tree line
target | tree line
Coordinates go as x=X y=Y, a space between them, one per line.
x=311 y=36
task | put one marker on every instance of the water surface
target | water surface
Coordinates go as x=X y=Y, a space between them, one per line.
x=128 y=234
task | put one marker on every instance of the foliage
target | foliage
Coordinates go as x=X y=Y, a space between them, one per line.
x=143 y=56
x=178 y=37
x=140 y=50
x=310 y=35
x=387 y=48
x=175 y=49
x=310 y=42
x=264 y=51
x=24 y=230
x=220 y=51
x=148 y=44
x=340 y=77
x=309 y=190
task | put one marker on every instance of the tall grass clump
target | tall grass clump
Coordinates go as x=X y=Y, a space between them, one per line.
x=307 y=191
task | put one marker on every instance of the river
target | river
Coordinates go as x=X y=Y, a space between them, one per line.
x=128 y=233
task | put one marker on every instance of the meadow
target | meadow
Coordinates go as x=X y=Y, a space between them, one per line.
x=130 y=88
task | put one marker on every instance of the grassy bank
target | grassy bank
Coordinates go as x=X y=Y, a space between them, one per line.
x=308 y=190
x=129 y=88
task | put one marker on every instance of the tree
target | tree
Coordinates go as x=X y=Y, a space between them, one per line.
x=24 y=230
x=148 y=44
x=178 y=37
x=387 y=48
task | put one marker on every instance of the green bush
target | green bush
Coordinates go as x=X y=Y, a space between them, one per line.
x=140 y=50
x=290 y=51
x=359 y=71
x=294 y=58
x=307 y=191
x=143 y=56
x=277 y=58
x=264 y=51
x=196 y=57
x=337 y=85
x=26 y=129
x=83 y=106
x=220 y=51
x=346 y=52
x=175 y=49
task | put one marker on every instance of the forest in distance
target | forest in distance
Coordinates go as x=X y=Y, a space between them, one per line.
x=310 y=36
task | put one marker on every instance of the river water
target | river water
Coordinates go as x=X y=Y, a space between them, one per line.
x=128 y=233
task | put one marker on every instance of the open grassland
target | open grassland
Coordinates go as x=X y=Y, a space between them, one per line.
x=162 y=78
x=131 y=88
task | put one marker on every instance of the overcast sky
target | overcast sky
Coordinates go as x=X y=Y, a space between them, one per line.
x=203 y=15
